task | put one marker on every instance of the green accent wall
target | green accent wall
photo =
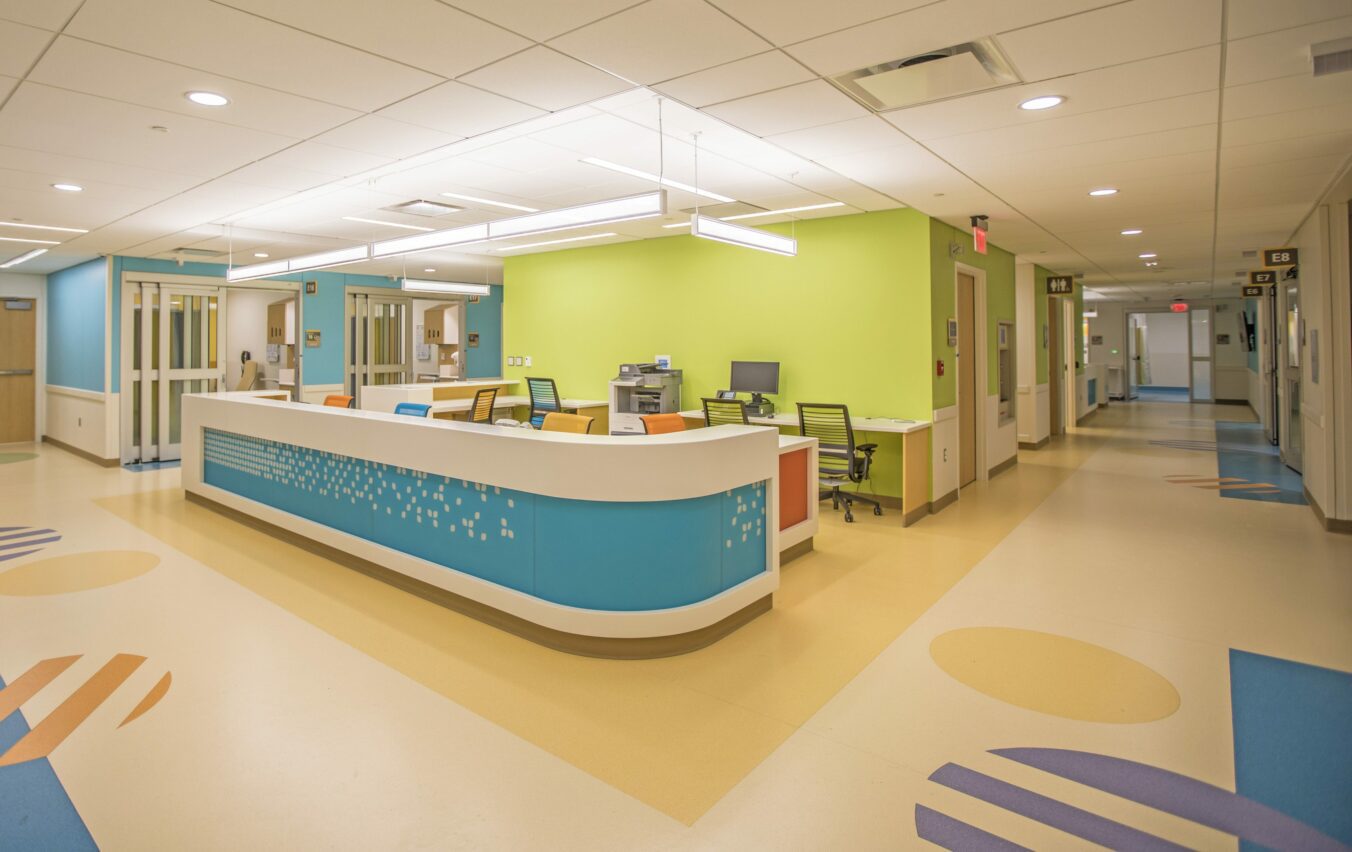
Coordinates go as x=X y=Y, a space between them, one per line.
x=848 y=318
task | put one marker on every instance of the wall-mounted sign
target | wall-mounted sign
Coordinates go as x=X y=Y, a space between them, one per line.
x=311 y=288
x=1281 y=257
x=311 y=338
x=1060 y=285
x=1251 y=290
x=1263 y=276
x=1222 y=340
x=473 y=339
x=1095 y=340
x=952 y=331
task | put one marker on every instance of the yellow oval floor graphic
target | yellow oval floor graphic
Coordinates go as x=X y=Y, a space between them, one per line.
x=1055 y=675
x=11 y=458
x=76 y=572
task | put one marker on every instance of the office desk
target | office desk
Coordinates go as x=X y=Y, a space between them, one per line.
x=386 y=397
x=616 y=546
x=597 y=409
x=915 y=452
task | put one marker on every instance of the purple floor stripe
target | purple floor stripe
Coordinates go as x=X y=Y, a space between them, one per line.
x=1178 y=795
x=943 y=830
x=15 y=544
x=26 y=532
x=8 y=556
x=1067 y=818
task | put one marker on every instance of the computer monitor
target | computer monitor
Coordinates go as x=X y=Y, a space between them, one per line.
x=755 y=377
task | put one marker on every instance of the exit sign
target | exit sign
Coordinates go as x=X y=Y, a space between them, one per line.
x=1179 y=308
x=979 y=240
x=1263 y=276
x=1060 y=285
x=1281 y=257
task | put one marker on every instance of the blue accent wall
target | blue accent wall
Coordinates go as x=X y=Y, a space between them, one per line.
x=581 y=553
x=324 y=311
x=76 y=309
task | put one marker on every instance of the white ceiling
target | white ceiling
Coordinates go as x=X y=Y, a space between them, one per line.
x=1203 y=114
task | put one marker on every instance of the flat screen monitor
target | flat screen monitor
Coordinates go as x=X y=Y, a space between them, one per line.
x=755 y=377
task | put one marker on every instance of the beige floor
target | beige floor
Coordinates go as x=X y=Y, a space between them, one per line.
x=314 y=708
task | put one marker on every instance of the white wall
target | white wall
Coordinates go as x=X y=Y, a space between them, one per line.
x=1166 y=343
x=33 y=287
x=1231 y=368
x=246 y=328
x=1033 y=410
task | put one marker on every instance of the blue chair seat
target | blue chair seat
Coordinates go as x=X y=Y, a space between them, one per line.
x=413 y=409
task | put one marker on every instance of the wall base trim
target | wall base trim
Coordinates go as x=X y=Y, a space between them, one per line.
x=937 y=506
x=794 y=551
x=916 y=514
x=84 y=454
x=1002 y=467
x=609 y=648
x=1333 y=525
x=1031 y=445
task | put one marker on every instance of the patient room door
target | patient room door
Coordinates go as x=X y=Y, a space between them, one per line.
x=968 y=398
x=379 y=341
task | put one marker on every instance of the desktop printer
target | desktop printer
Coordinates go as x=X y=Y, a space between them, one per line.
x=642 y=389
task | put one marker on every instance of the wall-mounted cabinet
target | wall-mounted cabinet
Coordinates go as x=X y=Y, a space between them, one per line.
x=282 y=322
x=441 y=325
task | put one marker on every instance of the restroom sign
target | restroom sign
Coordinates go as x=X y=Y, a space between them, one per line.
x=1263 y=276
x=1281 y=257
x=1060 y=285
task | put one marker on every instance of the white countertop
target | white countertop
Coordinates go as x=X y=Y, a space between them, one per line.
x=456 y=383
x=895 y=425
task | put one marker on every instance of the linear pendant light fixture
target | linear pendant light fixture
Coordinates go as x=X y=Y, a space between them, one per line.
x=657 y=179
x=422 y=286
x=740 y=235
x=318 y=260
x=21 y=258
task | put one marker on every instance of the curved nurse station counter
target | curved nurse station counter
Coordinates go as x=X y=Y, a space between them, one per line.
x=634 y=546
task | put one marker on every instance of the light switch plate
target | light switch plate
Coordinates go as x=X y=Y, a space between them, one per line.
x=527 y=360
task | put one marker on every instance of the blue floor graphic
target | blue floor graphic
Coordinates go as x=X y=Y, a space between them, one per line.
x=1242 y=452
x=141 y=467
x=1162 y=393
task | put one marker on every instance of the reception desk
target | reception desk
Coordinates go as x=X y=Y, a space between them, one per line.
x=607 y=546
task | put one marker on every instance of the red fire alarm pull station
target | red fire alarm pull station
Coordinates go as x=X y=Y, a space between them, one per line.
x=938 y=368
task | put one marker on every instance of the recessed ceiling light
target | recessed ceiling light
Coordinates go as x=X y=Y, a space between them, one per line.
x=1044 y=102
x=388 y=224
x=43 y=227
x=430 y=269
x=1131 y=232
x=260 y=254
x=502 y=204
x=210 y=99
x=1147 y=255
x=68 y=187
x=1104 y=191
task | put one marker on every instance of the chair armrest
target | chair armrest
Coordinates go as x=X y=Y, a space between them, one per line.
x=866 y=449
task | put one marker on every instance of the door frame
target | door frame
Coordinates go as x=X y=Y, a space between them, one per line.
x=39 y=364
x=980 y=374
x=1209 y=304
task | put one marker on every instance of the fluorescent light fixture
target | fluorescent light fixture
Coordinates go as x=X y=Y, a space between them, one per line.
x=642 y=206
x=1101 y=192
x=68 y=187
x=740 y=235
x=490 y=203
x=1147 y=255
x=1044 y=102
x=44 y=227
x=430 y=269
x=664 y=181
x=210 y=99
x=1131 y=232
x=446 y=287
x=21 y=258
x=387 y=224
x=785 y=210
x=318 y=260
x=34 y=242
x=557 y=242
x=436 y=239
x=677 y=225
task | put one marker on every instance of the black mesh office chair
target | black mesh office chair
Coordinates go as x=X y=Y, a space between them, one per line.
x=839 y=459
x=544 y=399
x=721 y=412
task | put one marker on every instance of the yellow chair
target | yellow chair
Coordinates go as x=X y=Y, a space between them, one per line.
x=482 y=409
x=556 y=422
x=660 y=424
x=248 y=376
x=722 y=412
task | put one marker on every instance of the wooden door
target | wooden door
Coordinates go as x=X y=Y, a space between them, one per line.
x=968 y=398
x=1055 y=369
x=18 y=361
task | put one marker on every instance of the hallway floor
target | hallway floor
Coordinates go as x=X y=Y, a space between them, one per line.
x=1092 y=649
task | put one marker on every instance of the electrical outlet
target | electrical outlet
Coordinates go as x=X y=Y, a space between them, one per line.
x=527 y=360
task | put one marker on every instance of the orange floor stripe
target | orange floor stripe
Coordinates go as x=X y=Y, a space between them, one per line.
x=31 y=682
x=61 y=722
x=152 y=698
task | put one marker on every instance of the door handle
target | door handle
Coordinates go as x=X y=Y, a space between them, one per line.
x=16 y=372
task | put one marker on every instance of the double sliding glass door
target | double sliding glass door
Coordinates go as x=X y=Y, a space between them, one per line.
x=379 y=341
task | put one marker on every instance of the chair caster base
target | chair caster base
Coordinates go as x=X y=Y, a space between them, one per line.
x=878 y=510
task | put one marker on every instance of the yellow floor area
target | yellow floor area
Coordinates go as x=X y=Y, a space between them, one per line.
x=1079 y=600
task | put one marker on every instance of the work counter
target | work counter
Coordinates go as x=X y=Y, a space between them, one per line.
x=628 y=546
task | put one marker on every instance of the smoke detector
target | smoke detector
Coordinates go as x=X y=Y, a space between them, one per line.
x=423 y=207
x=934 y=75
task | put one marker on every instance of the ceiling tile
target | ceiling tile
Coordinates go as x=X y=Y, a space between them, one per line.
x=788 y=21
x=1334 y=118
x=794 y=108
x=459 y=110
x=1286 y=94
x=45 y=14
x=20 y=47
x=7 y=85
x=1286 y=149
x=543 y=21
x=1120 y=33
x=385 y=137
x=770 y=70
x=426 y=34
x=194 y=33
x=844 y=137
x=1250 y=17
x=115 y=74
x=547 y=79
x=1285 y=53
x=61 y=167
x=692 y=36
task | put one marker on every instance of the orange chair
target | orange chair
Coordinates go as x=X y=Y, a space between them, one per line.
x=557 y=422
x=339 y=401
x=660 y=424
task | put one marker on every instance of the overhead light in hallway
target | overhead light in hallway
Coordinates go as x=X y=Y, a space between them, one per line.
x=44 y=227
x=1102 y=192
x=1131 y=232
x=387 y=224
x=1147 y=255
x=430 y=269
x=502 y=204
x=1044 y=102
x=260 y=254
x=21 y=258
x=664 y=181
x=781 y=211
x=208 y=99
x=419 y=286
x=557 y=242
x=68 y=187
x=710 y=228
x=33 y=242
x=318 y=260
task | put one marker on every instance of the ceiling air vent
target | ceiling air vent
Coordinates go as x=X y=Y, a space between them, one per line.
x=422 y=207
x=1332 y=57
x=934 y=75
x=1250 y=253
